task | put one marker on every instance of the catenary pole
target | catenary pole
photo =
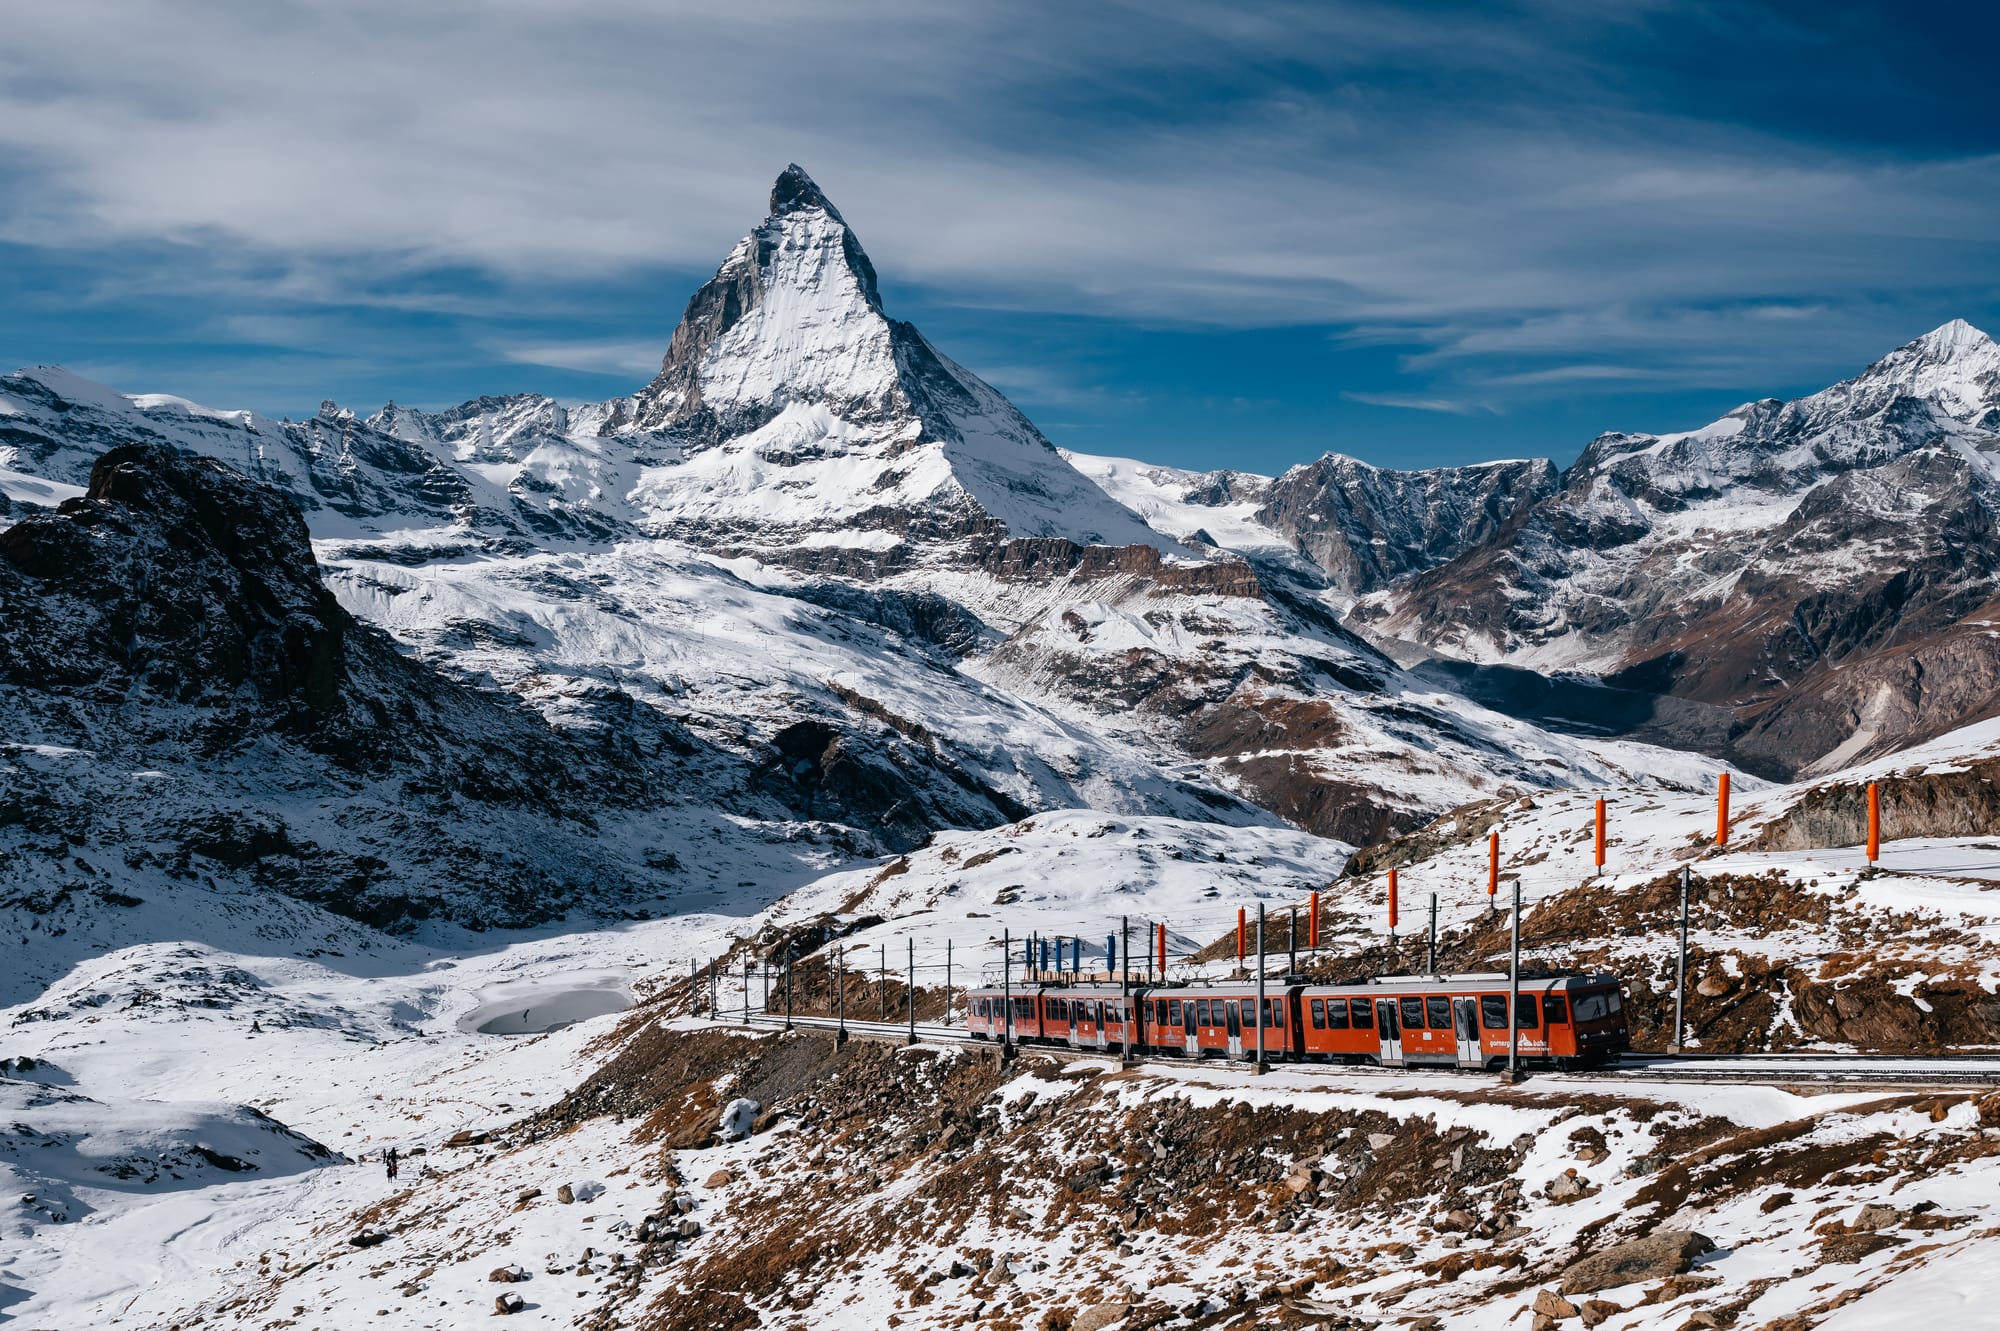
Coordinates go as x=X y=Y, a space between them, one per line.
x=840 y=998
x=1006 y=992
x=749 y=970
x=1260 y=986
x=1681 y=967
x=788 y=986
x=1431 y=961
x=1292 y=944
x=1514 y=992
x=947 y=982
x=1125 y=981
x=910 y=989
x=882 y=986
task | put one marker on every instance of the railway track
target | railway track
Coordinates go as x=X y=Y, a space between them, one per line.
x=1886 y=1071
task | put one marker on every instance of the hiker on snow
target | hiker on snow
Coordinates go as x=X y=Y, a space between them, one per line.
x=390 y=1160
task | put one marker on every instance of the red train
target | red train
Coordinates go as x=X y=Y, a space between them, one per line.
x=1440 y=1020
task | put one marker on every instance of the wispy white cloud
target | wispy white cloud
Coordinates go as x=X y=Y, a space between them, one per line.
x=1040 y=157
x=1417 y=402
x=601 y=357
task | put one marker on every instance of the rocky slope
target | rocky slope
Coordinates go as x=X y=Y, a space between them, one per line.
x=1819 y=567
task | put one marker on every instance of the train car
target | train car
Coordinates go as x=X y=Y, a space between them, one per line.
x=1220 y=1020
x=1461 y=1021
x=1079 y=1016
x=1405 y=1021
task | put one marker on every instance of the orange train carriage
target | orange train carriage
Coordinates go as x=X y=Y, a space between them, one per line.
x=1441 y=1021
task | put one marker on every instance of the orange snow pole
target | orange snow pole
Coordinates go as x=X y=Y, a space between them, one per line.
x=1392 y=901
x=1874 y=822
x=1722 y=810
x=1600 y=836
x=1163 y=952
x=1312 y=924
x=1239 y=936
x=1492 y=865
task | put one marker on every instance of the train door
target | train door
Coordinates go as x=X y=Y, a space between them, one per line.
x=1193 y=1041
x=1072 y=1020
x=1233 y=1024
x=1389 y=1030
x=1465 y=1021
x=1100 y=1024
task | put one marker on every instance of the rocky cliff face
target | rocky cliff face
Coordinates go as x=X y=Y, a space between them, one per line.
x=1368 y=527
x=1759 y=562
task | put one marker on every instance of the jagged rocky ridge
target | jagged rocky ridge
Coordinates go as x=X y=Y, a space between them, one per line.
x=1820 y=568
x=1795 y=586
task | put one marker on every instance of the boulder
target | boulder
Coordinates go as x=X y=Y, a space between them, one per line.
x=527 y=1195
x=509 y=1303
x=721 y=1178
x=368 y=1238
x=507 y=1275
x=1565 y=1187
x=1596 y=1311
x=1548 y=1303
x=1380 y=1141
x=688 y=1229
x=1876 y=1216
x=1655 y=1257
x=565 y=1194
x=1099 y=1316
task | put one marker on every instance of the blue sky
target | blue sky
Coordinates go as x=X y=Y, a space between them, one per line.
x=1200 y=234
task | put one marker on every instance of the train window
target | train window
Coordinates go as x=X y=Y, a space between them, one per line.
x=1493 y=1012
x=1530 y=1015
x=1362 y=1013
x=1336 y=1013
x=1174 y=1012
x=1617 y=1002
x=1274 y=1013
x=1319 y=1014
x=1413 y=1014
x=1201 y=1013
x=1554 y=1009
x=1590 y=1005
x=1438 y=1010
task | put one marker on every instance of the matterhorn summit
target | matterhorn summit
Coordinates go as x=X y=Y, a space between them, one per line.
x=799 y=409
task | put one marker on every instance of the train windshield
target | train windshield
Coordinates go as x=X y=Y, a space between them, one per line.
x=1597 y=1004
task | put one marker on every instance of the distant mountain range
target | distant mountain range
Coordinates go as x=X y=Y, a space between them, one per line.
x=817 y=592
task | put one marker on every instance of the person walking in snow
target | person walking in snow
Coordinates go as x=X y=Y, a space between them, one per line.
x=389 y=1159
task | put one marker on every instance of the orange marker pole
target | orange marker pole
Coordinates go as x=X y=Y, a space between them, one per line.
x=1163 y=952
x=1239 y=937
x=1600 y=836
x=1722 y=810
x=1492 y=868
x=1392 y=901
x=1312 y=924
x=1874 y=822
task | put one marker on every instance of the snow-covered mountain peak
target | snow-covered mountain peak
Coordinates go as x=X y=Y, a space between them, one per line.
x=1955 y=366
x=795 y=191
x=791 y=316
x=794 y=402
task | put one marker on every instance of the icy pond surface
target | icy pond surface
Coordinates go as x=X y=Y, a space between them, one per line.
x=529 y=1008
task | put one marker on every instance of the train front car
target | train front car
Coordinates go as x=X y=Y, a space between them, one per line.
x=1462 y=1021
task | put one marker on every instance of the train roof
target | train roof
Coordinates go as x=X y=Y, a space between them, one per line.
x=1371 y=988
